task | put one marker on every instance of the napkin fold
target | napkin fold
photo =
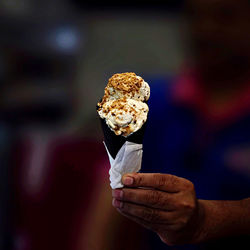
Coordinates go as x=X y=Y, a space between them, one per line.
x=127 y=160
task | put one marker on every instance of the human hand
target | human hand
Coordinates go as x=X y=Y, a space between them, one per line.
x=164 y=203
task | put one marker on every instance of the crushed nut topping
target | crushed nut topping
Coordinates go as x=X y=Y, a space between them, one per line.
x=123 y=104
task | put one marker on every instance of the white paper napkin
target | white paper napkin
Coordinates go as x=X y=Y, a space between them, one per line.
x=127 y=160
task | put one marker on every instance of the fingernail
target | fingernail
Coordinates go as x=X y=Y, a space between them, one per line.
x=117 y=193
x=117 y=203
x=128 y=180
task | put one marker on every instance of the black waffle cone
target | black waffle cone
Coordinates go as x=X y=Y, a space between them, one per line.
x=114 y=142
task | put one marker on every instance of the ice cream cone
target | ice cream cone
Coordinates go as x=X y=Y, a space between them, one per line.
x=114 y=142
x=123 y=110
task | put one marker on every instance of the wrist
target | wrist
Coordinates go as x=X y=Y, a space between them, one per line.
x=198 y=223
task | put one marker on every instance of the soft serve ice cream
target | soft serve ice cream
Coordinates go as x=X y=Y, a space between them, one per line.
x=123 y=105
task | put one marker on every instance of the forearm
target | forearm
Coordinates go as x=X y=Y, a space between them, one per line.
x=167 y=204
x=222 y=218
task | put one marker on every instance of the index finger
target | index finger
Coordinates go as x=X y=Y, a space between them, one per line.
x=165 y=182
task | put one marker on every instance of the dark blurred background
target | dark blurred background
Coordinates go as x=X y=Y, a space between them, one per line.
x=55 y=60
x=56 y=57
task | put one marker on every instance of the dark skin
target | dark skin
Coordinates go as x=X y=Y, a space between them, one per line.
x=168 y=204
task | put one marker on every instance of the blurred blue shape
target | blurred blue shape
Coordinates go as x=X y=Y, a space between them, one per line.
x=66 y=39
x=178 y=142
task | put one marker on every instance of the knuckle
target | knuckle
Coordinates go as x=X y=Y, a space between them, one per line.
x=187 y=205
x=155 y=198
x=188 y=185
x=146 y=214
x=173 y=180
x=191 y=186
x=149 y=214
x=139 y=179
x=160 y=180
